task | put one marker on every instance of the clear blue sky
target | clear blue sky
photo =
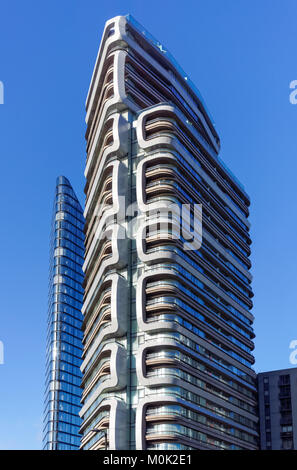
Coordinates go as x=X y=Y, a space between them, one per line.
x=242 y=56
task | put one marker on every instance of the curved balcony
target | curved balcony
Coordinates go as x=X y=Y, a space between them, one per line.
x=109 y=418
x=117 y=310
x=115 y=380
x=166 y=419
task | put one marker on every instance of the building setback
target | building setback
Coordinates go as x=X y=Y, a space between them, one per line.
x=64 y=323
x=168 y=336
x=278 y=409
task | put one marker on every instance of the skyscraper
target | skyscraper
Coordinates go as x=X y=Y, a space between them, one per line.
x=278 y=409
x=64 y=330
x=168 y=337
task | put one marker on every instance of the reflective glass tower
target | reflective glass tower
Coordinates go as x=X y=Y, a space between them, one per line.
x=168 y=331
x=64 y=337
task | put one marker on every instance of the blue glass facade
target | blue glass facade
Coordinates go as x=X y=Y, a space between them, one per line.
x=64 y=334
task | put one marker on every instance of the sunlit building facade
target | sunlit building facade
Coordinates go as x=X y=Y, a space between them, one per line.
x=64 y=323
x=168 y=335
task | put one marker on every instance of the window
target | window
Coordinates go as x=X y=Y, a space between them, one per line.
x=284 y=379
x=287 y=444
x=287 y=428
